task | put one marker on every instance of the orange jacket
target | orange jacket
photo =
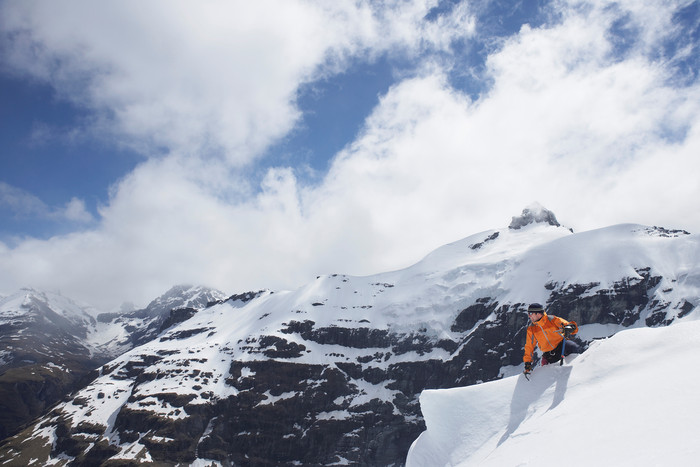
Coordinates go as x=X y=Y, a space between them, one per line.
x=545 y=334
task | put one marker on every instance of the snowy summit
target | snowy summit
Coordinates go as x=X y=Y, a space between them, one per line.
x=535 y=213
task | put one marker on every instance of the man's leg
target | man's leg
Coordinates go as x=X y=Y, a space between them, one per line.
x=571 y=347
x=553 y=356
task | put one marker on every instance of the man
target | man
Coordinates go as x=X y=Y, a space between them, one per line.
x=548 y=333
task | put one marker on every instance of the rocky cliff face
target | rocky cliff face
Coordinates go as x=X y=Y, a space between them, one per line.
x=331 y=373
x=50 y=344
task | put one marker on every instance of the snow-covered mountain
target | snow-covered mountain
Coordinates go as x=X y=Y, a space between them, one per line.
x=331 y=373
x=630 y=400
x=49 y=310
x=49 y=343
x=43 y=353
x=115 y=333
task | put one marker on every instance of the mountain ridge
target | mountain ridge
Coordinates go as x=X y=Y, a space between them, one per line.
x=51 y=343
x=331 y=372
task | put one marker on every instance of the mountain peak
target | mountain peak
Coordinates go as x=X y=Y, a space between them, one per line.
x=184 y=296
x=28 y=299
x=534 y=214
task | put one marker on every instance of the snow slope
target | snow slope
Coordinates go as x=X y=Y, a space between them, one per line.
x=629 y=400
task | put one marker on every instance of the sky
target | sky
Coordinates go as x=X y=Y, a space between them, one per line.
x=594 y=410
x=144 y=145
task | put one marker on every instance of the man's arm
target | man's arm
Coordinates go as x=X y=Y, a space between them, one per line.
x=529 y=346
x=568 y=328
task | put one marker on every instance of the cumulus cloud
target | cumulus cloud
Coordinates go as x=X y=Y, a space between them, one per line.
x=24 y=205
x=20 y=202
x=215 y=76
x=598 y=134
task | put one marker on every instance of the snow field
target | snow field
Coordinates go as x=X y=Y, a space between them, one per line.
x=629 y=400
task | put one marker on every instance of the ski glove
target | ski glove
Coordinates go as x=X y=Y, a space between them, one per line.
x=528 y=367
x=568 y=330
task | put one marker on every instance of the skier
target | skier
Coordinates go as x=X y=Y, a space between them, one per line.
x=548 y=333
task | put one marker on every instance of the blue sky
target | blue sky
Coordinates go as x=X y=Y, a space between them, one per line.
x=145 y=145
x=41 y=162
x=333 y=111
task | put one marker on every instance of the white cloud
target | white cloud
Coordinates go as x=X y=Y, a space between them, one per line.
x=212 y=76
x=20 y=202
x=24 y=205
x=596 y=138
x=75 y=211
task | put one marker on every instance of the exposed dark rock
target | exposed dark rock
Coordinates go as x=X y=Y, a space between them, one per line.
x=276 y=347
x=662 y=232
x=184 y=334
x=285 y=428
x=177 y=316
x=536 y=214
x=243 y=298
x=302 y=328
x=28 y=391
x=685 y=308
x=471 y=315
x=620 y=304
x=491 y=237
x=358 y=338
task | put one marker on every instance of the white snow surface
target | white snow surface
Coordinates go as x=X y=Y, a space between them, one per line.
x=27 y=300
x=629 y=400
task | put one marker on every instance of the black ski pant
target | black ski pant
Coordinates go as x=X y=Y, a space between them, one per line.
x=554 y=356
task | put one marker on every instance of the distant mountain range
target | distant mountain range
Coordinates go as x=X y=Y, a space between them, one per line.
x=50 y=343
x=331 y=373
